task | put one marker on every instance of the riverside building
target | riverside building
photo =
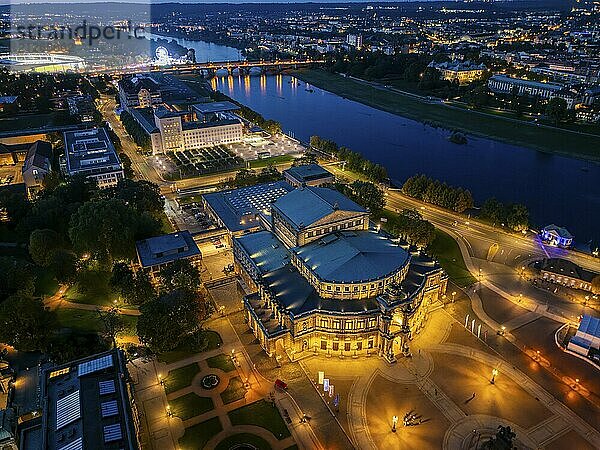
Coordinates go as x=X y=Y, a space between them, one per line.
x=323 y=280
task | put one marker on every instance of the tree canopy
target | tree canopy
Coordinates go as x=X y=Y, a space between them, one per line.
x=25 y=323
x=165 y=321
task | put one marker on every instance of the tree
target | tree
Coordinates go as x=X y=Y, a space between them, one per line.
x=140 y=195
x=25 y=323
x=63 y=264
x=502 y=441
x=596 y=285
x=16 y=277
x=134 y=288
x=415 y=230
x=107 y=229
x=493 y=211
x=122 y=280
x=112 y=323
x=556 y=109
x=180 y=275
x=367 y=195
x=168 y=319
x=517 y=217
x=41 y=245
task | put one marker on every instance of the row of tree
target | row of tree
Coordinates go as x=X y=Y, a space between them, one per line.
x=437 y=193
x=513 y=215
x=365 y=194
x=410 y=226
x=354 y=161
x=135 y=130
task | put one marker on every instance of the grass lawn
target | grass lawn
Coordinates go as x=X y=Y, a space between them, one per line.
x=259 y=163
x=243 y=438
x=180 y=378
x=196 y=437
x=190 y=405
x=514 y=132
x=187 y=349
x=45 y=283
x=261 y=414
x=82 y=320
x=447 y=252
x=92 y=288
x=222 y=362
x=89 y=322
x=235 y=391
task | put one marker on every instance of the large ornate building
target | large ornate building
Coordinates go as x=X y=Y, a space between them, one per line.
x=322 y=279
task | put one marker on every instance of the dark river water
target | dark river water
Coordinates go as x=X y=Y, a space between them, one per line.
x=556 y=189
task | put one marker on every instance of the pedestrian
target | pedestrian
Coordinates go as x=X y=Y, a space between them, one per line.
x=473 y=395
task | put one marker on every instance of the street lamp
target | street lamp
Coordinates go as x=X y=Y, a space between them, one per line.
x=453 y=295
x=160 y=380
x=494 y=374
x=394 y=423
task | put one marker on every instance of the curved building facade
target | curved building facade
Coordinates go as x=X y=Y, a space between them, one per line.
x=347 y=290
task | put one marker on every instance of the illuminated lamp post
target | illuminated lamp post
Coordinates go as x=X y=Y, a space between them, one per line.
x=394 y=423
x=494 y=375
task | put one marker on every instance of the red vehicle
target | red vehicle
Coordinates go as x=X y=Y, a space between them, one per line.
x=280 y=385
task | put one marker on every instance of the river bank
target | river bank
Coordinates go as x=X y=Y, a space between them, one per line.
x=541 y=138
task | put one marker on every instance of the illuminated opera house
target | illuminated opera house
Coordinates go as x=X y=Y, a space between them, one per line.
x=322 y=279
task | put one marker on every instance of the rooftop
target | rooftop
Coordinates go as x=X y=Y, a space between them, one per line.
x=308 y=172
x=297 y=296
x=353 y=256
x=39 y=155
x=237 y=208
x=214 y=123
x=506 y=78
x=564 y=267
x=266 y=251
x=589 y=325
x=88 y=150
x=562 y=232
x=166 y=248
x=87 y=406
x=305 y=206
x=215 y=107
x=133 y=85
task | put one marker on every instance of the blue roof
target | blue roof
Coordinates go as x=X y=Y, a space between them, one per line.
x=266 y=251
x=581 y=342
x=353 y=256
x=590 y=325
x=8 y=99
x=237 y=208
x=308 y=172
x=297 y=296
x=166 y=248
x=304 y=206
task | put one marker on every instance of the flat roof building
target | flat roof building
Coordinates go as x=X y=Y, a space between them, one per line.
x=587 y=336
x=91 y=153
x=156 y=252
x=87 y=404
x=308 y=175
x=238 y=210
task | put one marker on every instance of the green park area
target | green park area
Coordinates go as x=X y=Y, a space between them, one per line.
x=235 y=391
x=547 y=139
x=190 y=405
x=206 y=341
x=180 y=378
x=89 y=321
x=222 y=362
x=92 y=288
x=445 y=249
x=196 y=436
x=261 y=414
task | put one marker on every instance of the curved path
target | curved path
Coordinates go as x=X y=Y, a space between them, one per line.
x=417 y=371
